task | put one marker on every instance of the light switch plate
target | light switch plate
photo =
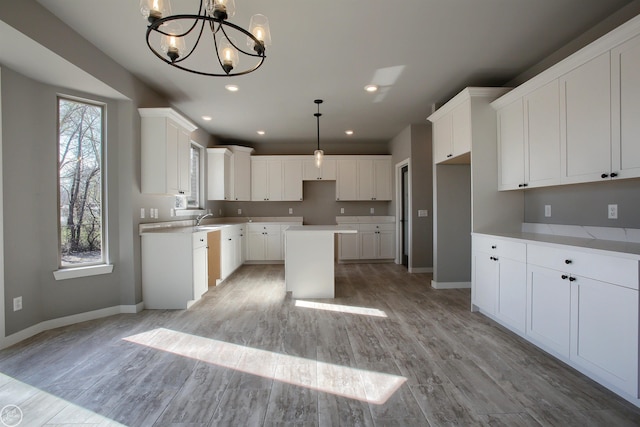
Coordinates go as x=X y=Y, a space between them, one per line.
x=290 y=211
x=547 y=211
x=142 y=213
x=423 y=212
x=341 y=210
x=17 y=303
x=372 y=210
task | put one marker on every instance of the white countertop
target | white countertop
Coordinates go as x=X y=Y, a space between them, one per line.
x=320 y=228
x=626 y=248
x=373 y=219
x=211 y=224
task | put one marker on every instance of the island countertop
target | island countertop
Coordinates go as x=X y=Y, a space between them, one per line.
x=321 y=228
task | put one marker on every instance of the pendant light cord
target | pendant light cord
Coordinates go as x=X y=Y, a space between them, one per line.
x=318 y=102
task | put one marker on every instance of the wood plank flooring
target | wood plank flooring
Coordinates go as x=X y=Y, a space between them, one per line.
x=247 y=355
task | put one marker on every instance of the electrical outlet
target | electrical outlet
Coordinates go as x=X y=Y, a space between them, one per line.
x=239 y=211
x=341 y=210
x=290 y=211
x=220 y=212
x=172 y=212
x=423 y=212
x=372 y=211
x=547 y=211
x=612 y=212
x=141 y=213
x=17 y=303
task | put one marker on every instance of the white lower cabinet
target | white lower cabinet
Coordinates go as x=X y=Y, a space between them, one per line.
x=349 y=245
x=174 y=269
x=231 y=250
x=579 y=304
x=264 y=243
x=374 y=240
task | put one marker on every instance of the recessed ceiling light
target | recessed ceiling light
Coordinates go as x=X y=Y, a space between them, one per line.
x=260 y=132
x=232 y=88
x=207 y=118
x=371 y=88
x=348 y=132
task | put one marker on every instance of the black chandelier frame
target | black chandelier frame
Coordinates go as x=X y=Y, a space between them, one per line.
x=156 y=23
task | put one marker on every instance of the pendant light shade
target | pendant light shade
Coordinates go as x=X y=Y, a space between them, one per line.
x=318 y=155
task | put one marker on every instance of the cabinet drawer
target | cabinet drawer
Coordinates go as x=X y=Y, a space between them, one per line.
x=605 y=268
x=500 y=247
x=199 y=240
x=377 y=227
x=264 y=228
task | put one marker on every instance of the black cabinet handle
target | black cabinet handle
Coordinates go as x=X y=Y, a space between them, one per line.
x=564 y=277
x=568 y=261
x=493 y=246
x=613 y=174
x=525 y=185
x=449 y=155
x=604 y=175
x=520 y=185
x=572 y=279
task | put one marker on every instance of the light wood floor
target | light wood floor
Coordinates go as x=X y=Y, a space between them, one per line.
x=247 y=355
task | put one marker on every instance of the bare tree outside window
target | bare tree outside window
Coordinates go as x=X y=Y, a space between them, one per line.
x=80 y=133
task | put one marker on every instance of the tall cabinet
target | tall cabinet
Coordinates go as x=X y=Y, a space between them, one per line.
x=466 y=196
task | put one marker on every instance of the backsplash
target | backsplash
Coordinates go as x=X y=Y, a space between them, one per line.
x=631 y=235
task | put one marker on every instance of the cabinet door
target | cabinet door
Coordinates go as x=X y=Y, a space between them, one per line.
x=365 y=180
x=273 y=244
x=586 y=122
x=200 y=273
x=542 y=156
x=347 y=179
x=292 y=173
x=173 y=162
x=274 y=180
x=227 y=254
x=549 y=308
x=625 y=149
x=309 y=170
x=382 y=179
x=442 y=139
x=511 y=146
x=328 y=169
x=368 y=244
x=386 y=244
x=241 y=182
x=184 y=161
x=511 y=306
x=604 y=331
x=256 y=246
x=259 y=183
x=461 y=128
x=485 y=279
x=348 y=246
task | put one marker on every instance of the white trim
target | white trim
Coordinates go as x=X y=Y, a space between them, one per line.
x=69 y=320
x=467 y=93
x=2 y=318
x=421 y=270
x=168 y=112
x=399 y=166
x=90 y=270
x=450 y=285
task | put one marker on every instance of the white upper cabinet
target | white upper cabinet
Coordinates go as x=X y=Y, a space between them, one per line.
x=266 y=179
x=292 y=174
x=542 y=136
x=166 y=140
x=625 y=96
x=229 y=173
x=586 y=121
x=326 y=172
x=453 y=133
x=347 y=179
x=511 y=146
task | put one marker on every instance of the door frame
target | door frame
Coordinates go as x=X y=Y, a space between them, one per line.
x=398 y=175
x=3 y=341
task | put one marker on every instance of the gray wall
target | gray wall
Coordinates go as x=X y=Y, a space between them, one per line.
x=452 y=238
x=586 y=204
x=414 y=142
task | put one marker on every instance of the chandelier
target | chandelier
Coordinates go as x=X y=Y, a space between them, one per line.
x=175 y=38
x=318 y=155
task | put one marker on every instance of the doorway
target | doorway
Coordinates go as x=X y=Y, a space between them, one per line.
x=404 y=216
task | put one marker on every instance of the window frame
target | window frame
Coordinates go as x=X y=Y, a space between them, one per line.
x=88 y=268
x=193 y=210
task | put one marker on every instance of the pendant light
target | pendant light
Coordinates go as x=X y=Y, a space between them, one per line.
x=318 y=154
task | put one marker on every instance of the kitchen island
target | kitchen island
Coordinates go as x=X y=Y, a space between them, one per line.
x=309 y=260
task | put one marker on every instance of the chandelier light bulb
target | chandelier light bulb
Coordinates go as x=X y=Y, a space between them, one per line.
x=259 y=28
x=153 y=10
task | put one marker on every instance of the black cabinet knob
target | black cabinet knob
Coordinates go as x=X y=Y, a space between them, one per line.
x=604 y=175
x=525 y=185
x=520 y=185
x=564 y=277
x=572 y=279
x=568 y=261
x=613 y=174
x=449 y=155
x=493 y=246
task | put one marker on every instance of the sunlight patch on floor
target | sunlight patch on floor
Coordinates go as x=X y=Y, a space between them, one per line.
x=366 y=386
x=366 y=311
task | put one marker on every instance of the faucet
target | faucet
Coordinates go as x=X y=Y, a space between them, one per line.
x=201 y=217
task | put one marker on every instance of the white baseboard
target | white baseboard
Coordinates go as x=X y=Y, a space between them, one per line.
x=68 y=320
x=450 y=285
x=420 y=269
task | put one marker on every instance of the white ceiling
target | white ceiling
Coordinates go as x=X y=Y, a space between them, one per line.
x=331 y=49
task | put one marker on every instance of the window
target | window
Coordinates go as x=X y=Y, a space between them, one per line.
x=80 y=183
x=193 y=200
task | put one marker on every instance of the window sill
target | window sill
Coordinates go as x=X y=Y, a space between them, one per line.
x=92 y=270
